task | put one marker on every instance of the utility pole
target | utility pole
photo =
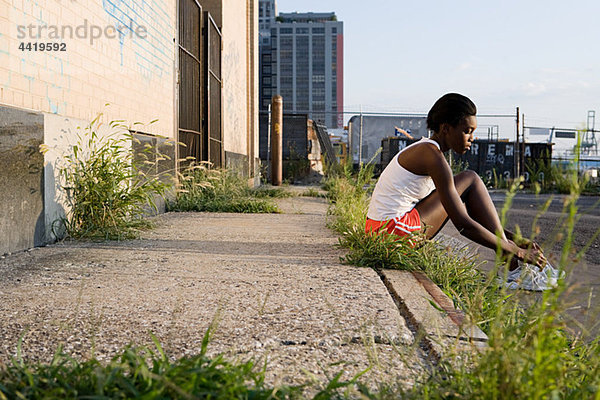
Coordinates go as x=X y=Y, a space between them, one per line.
x=360 y=139
x=517 y=157
x=522 y=151
x=269 y=136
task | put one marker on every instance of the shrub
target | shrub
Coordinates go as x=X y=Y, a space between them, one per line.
x=107 y=190
x=215 y=190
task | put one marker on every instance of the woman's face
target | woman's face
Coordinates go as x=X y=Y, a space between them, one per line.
x=459 y=137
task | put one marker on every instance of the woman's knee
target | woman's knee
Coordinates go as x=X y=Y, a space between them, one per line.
x=468 y=176
x=466 y=180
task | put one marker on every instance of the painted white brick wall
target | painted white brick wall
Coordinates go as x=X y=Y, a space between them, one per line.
x=135 y=75
x=236 y=72
x=235 y=91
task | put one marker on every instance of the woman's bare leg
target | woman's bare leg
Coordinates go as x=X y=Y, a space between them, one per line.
x=477 y=199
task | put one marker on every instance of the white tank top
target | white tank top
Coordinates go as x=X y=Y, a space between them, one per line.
x=398 y=190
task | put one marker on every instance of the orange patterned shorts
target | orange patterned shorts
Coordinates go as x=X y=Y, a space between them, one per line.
x=403 y=226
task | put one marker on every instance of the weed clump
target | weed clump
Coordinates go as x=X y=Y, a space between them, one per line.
x=139 y=372
x=312 y=192
x=218 y=190
x=107 y=190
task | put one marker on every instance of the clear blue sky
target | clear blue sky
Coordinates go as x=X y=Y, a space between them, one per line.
x=401 y=56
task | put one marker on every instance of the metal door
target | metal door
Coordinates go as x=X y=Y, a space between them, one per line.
x=213 y=80
x=191 y=99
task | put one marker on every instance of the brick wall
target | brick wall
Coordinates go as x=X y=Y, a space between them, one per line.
x=131 y=69
x=240 y=82
x=120 y=52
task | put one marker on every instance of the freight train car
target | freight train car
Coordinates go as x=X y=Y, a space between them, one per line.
x=488 y=158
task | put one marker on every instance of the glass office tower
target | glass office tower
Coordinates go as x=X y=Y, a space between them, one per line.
x=301 y=58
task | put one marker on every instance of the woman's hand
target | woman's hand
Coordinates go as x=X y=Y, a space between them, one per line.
x=530 y=252
x=528 y=244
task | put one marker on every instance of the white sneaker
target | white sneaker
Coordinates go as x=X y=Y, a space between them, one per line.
x=529 y=277
x=553 y=272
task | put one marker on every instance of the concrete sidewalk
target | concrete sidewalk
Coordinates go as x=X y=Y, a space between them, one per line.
x=272 y=283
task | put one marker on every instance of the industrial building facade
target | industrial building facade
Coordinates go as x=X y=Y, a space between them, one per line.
x=190 y=65
x=301 y=59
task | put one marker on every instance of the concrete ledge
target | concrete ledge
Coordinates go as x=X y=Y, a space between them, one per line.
x=22 y=222
x=430 y=312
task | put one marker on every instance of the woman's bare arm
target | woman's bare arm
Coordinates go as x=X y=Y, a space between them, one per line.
x=439 y=170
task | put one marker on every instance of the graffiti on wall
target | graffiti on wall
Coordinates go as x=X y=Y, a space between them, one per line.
x=152 y=53
x=489 y=158
x=47 y=74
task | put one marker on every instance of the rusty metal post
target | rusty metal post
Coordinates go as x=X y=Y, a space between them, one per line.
x=276 y=140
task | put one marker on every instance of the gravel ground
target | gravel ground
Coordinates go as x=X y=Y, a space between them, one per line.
x=272 y=285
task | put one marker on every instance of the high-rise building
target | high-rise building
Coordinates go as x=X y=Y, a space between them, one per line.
x=267 y=12
x=301 y=58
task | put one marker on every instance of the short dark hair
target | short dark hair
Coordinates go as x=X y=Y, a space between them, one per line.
x=451 y=108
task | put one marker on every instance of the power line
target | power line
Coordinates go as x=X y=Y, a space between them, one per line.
x=373 y=113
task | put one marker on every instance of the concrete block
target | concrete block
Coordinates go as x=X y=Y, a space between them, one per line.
x=40 y=5
x=45 y=106
x=76 y=85
x=4 y=43
x=5 y=61
x=67 y=16
x=6 y=96
x=28 y=67
x=429 y=311
x=37 y=102
x=21 y=182
x=4 y=8
x=18 y=4
x=28 y=8
x=47 y=75
x=5 y=24
x=55 y=94
x=39 y=88
x=445 y=303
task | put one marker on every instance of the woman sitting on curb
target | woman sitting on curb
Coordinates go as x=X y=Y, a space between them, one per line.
x=417 y=192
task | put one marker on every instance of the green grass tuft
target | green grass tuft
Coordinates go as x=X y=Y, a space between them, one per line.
x=139 y=373
x=312 y=192
x=271 y=192
x=107 y=190
x=214 y=190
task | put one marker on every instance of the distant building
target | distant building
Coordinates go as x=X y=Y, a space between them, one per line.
x=377 y=128
x=267 y=10
x=301 y=58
